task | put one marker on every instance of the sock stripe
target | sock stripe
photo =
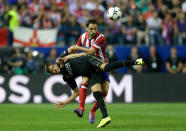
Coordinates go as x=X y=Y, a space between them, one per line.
x=84 y=86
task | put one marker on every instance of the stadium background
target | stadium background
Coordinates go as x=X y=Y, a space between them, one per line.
x=44 y=28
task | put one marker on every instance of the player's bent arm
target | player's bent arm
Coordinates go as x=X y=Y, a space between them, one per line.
x=75 y=55
x=90 y=51
x=75 y=49
x=60 y=104
x=73 y=86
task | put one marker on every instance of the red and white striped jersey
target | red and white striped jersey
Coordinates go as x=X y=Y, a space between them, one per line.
x=98 y=43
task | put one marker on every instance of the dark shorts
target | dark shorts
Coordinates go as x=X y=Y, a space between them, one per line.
x=94 y=78
x=96 y=75
x=105 y=76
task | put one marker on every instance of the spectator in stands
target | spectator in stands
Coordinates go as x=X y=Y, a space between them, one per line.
x=154 y=29
x=183 y=6
x=78 y=12
x=12 y=21
x=168 y=29
x=162 y=11
x=55 y=16
x=72 y=30
x=102 y=24
x=98 y=11
x=142 y=35
x=2 y=12
x=52 y=56
x=25 y=16
x=143 y=5
x=90 y=5
x=184 y=68
x=129 y=31
x=153 y=62
x=45 y=22
x=149 y=13
x=30 y=65
x=1 y=65
x=181 y=24
x=16 y=62
x=111 y=55
x=4 y=67
x=173 y=63
x=132 y=9
x=134 y=55
x=112 y=32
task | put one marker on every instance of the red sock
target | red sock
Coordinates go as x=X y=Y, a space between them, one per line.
x=95 y=106
x=82 y=96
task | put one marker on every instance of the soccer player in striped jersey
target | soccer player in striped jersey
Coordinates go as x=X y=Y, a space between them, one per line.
x=96 y=43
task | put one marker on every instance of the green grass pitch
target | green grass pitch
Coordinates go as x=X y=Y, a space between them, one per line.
x=125 y=117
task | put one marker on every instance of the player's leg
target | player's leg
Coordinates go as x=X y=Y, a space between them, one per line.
x=82 y=97
x=105 y=88
x=119 y=64
x=96 y=89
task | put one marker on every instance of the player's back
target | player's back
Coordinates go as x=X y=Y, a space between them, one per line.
x=75 y=67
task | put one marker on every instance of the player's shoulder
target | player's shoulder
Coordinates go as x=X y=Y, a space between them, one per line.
x=83 y=35
x=100 y=36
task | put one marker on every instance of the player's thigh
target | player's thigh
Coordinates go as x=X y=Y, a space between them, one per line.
x=96 y=87
x=105 y=86
x=84 y=80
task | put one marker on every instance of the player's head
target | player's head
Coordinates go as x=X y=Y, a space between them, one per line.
x=52 y=68
x=92 y=27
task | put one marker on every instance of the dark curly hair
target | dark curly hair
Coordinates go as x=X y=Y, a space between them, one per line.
x=91 y=21
x=47 y=69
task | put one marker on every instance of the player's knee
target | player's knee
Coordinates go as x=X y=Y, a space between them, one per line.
x=85 y=80
x=107 y=68
x=102 y=67
x=97 y=94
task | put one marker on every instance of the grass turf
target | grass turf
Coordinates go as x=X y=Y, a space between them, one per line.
x=125 y=117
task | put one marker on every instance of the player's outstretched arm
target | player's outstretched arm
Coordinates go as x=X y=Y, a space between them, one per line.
x=74 y=87
x=61 y=104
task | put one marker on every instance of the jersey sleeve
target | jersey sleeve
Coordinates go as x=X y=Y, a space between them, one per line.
x=79 y=42
x=71 y=82
x=99 y=43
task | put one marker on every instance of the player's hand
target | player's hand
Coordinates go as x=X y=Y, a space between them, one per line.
x=61 y=60
x=58 y=60
x=72 y=49
x=60 y=105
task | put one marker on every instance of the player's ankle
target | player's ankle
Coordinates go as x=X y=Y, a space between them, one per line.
x=81 y=108
x=92 y=111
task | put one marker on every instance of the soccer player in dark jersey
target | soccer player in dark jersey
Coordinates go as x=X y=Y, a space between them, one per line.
x=86 y=65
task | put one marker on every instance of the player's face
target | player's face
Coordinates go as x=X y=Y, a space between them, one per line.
x=92 y=29
x=54 y=69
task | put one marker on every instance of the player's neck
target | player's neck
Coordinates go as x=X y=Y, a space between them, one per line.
x=90 y=37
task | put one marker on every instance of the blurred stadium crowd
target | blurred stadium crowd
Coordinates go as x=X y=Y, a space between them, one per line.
x=144 y=22
x=157 y=22
x=30 y=61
